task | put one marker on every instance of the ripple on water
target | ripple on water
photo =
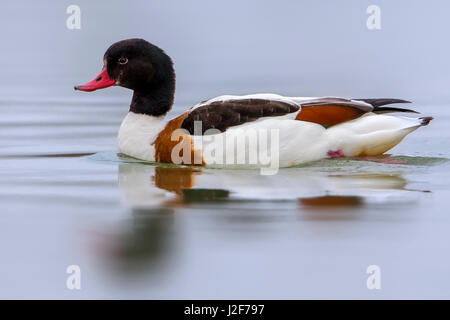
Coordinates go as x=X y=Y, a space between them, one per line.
x=325 y=183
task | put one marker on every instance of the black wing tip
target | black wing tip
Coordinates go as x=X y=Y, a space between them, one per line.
x=383 y=101
x=378 y=104
x=392 y=109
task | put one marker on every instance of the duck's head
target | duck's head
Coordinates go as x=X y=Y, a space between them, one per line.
x=138 y=65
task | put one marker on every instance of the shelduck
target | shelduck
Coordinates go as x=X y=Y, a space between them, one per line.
x=301 y=129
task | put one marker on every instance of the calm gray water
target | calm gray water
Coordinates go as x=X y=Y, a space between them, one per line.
x=141 y=230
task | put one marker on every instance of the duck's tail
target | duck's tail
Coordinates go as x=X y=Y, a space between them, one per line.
x=374 y=134
x=425 y=120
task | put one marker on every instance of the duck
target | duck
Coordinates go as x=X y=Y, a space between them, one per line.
x=247 y=131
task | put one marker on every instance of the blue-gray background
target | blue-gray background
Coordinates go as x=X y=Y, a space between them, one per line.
x=309 y=48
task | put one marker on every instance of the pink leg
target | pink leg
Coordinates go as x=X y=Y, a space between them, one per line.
x=336 y=154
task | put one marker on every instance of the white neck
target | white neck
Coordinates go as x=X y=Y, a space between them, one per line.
x=137 y=133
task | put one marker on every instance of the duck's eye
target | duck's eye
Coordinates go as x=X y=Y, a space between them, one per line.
x=123 y=60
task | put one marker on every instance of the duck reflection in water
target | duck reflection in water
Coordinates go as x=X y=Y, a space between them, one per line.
x=148 y=186
x=154 y=193
x=382 y=190
x=147 y=241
